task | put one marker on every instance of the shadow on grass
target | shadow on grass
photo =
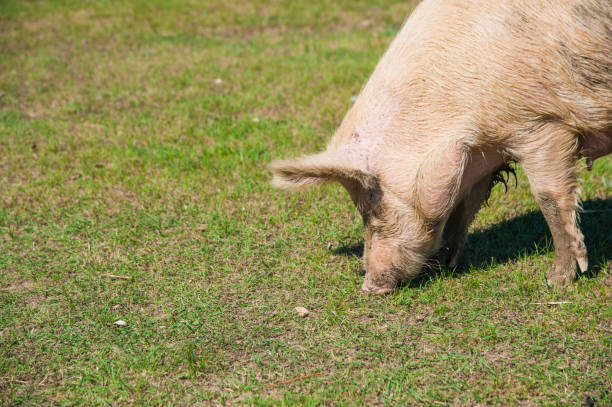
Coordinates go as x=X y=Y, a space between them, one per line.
x=524 y=235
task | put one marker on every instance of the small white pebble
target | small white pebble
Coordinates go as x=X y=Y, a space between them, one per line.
x=302 y=311
x=218 y=81
x=353 y=98
x=120 y=322
x=255 y=119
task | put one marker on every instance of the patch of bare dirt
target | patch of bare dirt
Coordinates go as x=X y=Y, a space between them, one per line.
x=19 y=287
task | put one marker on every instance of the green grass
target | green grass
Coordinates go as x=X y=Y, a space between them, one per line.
x=121 y=155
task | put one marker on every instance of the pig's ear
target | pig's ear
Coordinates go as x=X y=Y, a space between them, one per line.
x=315 y=169
x=439 y=180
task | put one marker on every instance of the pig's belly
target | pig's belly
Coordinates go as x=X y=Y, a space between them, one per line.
x=595 y=145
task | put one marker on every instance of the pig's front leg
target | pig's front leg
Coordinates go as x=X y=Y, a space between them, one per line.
x=456 y=229
x=549 y=160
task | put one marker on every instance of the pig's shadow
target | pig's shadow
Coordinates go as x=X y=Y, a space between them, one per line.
x=522 y=236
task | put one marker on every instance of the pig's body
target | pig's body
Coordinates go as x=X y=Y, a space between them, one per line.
x=466 y=87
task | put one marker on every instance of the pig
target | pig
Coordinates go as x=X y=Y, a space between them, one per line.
x=465 y=89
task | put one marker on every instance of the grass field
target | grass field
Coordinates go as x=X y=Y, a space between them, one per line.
x=134 y=143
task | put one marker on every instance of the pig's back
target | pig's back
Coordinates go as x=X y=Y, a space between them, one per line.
x=488 y=67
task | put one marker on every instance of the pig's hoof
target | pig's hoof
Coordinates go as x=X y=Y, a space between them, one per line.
x=557 y=281
x=368 y=288
x=560 y=278
x=583 y=263
x=454 y=260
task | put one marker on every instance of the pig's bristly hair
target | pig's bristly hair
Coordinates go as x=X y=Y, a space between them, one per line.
x=502 y=176
x=315 y=169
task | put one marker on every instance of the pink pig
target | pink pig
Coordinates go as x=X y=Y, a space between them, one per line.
x=467 y=87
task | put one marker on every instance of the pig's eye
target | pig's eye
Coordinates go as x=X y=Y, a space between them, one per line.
x=366 y=214
x=433 y=224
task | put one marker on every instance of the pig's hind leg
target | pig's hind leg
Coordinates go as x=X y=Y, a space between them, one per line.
x=549 y=157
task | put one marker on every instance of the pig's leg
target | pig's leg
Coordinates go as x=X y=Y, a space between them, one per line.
x=550 y=165
x=456 y=229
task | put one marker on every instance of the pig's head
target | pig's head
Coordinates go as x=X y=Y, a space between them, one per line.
x=403 y=216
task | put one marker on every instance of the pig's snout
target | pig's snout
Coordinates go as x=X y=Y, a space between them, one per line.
x=379 y=278
x=369 y=287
